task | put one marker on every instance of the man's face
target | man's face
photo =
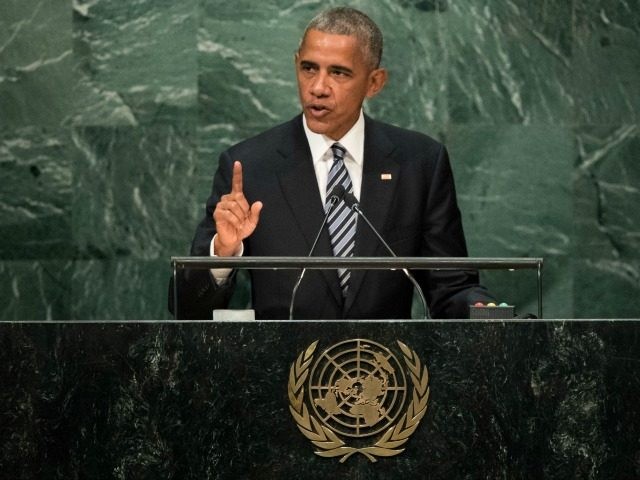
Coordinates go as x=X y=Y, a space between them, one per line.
x=333 y=81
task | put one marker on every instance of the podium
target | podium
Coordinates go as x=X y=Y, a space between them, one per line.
x=211 y=400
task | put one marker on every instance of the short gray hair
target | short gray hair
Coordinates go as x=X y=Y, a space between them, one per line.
x=349 y=21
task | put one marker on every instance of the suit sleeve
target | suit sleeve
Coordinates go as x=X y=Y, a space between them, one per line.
x=449 y=293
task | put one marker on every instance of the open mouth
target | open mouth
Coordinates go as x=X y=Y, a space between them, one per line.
x=318 y=110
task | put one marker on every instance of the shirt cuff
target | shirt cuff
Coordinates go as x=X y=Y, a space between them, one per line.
x=221 y=275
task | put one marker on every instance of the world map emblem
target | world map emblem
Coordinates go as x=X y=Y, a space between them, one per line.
x=358 y=396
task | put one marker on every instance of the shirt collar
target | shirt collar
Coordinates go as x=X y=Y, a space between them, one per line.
x=352 y=141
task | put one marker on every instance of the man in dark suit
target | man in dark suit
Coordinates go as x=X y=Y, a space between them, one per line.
x=269 y=196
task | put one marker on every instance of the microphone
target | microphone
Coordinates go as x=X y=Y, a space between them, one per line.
x=353 y=203
x=336 y=195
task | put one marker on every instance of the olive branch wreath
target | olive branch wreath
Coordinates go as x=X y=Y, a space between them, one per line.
x=328 y=443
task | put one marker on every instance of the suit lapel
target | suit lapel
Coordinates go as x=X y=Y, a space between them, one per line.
x=300 y=190
x=379 y=180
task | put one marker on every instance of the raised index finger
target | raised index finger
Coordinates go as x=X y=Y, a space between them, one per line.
x=236 y=180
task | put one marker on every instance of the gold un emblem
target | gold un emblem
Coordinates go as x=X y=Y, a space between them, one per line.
x=354 y=398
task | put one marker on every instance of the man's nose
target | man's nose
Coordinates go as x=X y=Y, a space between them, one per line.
x=320 y=85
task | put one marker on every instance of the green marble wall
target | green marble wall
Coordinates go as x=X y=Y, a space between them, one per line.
x=112 y=115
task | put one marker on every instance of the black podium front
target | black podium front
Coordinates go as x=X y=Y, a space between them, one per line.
x=534 y=399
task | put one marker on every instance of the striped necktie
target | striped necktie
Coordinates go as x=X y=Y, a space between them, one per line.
x=342 y=221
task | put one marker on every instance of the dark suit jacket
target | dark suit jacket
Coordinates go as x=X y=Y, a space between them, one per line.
x=416 y=212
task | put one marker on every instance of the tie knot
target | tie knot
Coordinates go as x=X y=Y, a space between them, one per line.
x=338 y=151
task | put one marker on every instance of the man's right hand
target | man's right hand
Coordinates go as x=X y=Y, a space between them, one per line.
x=235 y=220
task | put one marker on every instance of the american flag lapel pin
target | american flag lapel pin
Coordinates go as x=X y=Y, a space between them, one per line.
x=385 y=176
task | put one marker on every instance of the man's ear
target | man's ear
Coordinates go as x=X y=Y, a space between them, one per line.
x=377 y=80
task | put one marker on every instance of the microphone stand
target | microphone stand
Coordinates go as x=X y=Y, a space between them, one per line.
x=336 y=195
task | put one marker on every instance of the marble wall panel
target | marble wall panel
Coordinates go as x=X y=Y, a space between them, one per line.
x=35 y=290
x=606 y=61
x=121 y=287
x=501 y=173
x=35 y=207
x=508 y=61
x=36 y=66
x=607 y=221
x=133 y=191
x=138 y=58
x=246 y=84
